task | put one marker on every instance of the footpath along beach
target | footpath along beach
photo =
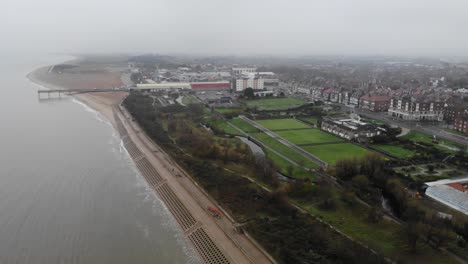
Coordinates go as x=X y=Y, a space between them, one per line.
x=215 y=240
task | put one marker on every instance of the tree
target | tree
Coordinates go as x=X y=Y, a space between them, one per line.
x=461 y=153
x=412 y=231
x=430 y=168
x=196 y=110
x=349 y=198
x=249 y=93
x=361 y=182
x=374 y=215
x=328 y=204
x=346 y=169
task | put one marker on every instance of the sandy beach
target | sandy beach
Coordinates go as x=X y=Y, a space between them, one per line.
x=221 y=236
x=101 y=102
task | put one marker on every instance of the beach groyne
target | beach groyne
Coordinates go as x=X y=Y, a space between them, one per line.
x=194 y=230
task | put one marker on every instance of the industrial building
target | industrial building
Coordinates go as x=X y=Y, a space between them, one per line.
x=451 y=192
x=221 y=85
x=152 y=87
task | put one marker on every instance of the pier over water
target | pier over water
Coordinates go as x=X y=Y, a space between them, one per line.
x=60 y=92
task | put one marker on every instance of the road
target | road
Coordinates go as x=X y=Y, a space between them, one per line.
x=424 y=128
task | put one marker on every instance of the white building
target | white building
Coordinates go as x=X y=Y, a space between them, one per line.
x=236 y=71
x=151 y=87
x=243 y=83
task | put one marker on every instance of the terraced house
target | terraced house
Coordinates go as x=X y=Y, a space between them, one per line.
x=375 y=103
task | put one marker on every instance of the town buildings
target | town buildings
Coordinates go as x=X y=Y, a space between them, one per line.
x=244 y=78
x=350 y=128
x=461 y=122
x=416 y=108
x=220 y=85
x=374 y=103
x=241 y=70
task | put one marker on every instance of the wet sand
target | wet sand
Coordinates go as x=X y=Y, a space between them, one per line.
x=235 y=247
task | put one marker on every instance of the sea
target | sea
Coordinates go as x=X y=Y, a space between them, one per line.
x=69 y=192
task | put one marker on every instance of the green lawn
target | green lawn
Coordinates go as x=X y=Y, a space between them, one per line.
x=274 y=103
x=418 y=137
x=444 y=145
x=283 y=166
x=308 y=136
x=246 y=127
x=331 y=153
x=228 y=110
x=395 y=151
x=283 y=149
x=224 y=126
x=384 y=236
x=277 y=124
x=312 y=120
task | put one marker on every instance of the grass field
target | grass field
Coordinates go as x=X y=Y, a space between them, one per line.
x=279 y=124
x=228 y=110
x=384 y=236
x=274 y=103
x=283 y=149
x=312 y=120
x=331 y=153
x=395 y=151
x=443 y=145
x=283 y=165
x=224 y=126
x=246 y=127
x=308 y=136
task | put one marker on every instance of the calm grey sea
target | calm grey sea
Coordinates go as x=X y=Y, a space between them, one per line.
x=68 y=191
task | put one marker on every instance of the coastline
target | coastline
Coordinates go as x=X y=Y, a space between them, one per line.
x=235 y=247
x=102 y=103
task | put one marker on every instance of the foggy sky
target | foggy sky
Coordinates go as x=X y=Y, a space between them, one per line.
x=265 y=27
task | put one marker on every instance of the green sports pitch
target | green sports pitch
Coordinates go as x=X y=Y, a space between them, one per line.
x=331 y=153
x=282 y=124
x=308 y=136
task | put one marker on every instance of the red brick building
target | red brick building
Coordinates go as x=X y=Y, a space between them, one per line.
x=375 y=103
x=461 y=123
x=222 y=85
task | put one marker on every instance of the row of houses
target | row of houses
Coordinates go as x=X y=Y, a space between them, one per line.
x=414 y=105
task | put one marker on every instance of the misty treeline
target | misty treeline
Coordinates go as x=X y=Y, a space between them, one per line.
x=220 y=165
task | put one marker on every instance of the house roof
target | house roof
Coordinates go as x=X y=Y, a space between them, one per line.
x=375 y=98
